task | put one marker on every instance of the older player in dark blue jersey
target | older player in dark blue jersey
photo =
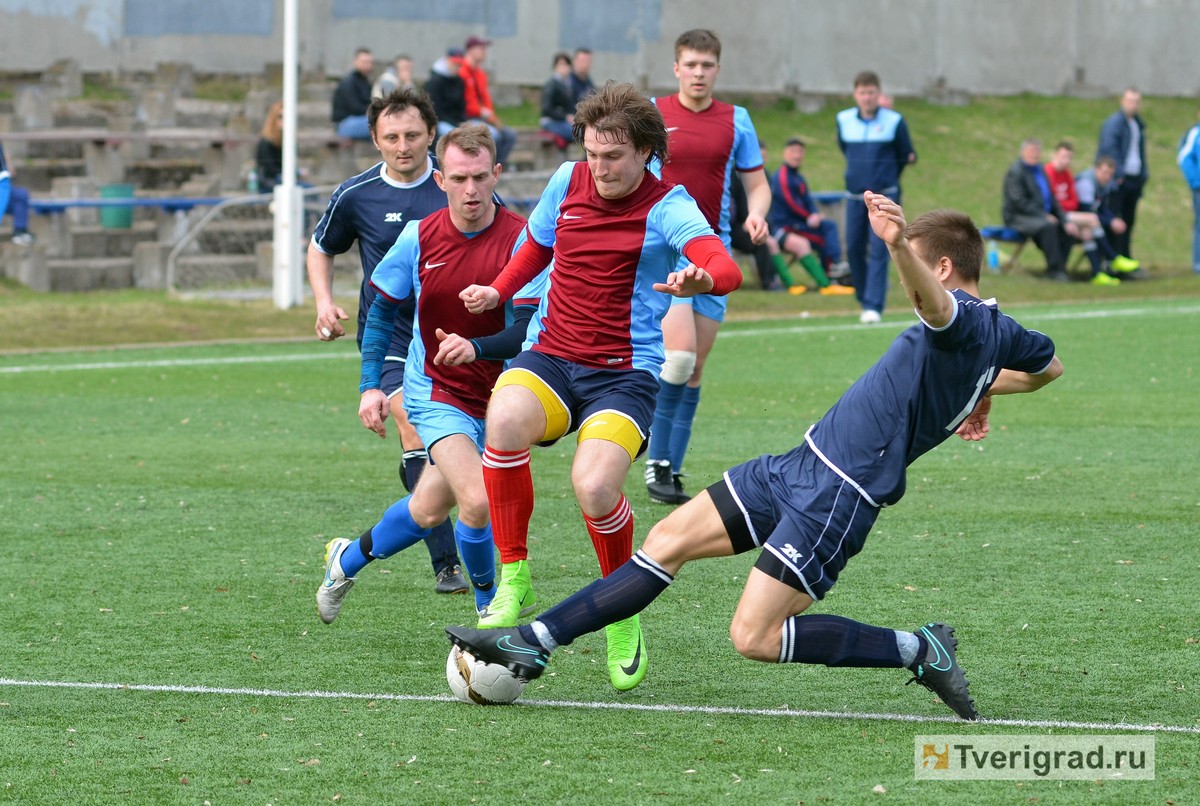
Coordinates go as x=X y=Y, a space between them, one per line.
x=810 y=509
x=373 y=208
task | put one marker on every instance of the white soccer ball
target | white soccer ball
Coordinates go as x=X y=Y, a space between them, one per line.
x=476 y=681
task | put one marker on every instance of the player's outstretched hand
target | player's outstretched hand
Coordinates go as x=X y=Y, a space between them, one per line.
x=453 y=349
x=479 y=298
x=686 y=283
x=886 y=217
x=373 y=410
x=328 y=325
x=976 y=426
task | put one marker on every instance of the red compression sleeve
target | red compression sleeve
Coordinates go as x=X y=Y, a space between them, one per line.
x=530 y=259
x=709 y=253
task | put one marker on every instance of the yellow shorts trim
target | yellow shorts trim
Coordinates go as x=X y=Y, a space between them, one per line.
x=614 y=426
x=558 y=419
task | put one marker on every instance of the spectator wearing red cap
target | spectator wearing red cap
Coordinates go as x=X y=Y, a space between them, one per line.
x=479 y=100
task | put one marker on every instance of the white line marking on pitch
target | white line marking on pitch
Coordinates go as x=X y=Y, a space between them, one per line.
x=608 y=706
x=167 y=363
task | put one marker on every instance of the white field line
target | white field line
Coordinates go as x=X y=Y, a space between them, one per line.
x=167 y=363
x=613 y=706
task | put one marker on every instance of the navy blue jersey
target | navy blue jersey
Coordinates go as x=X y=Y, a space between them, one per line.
x=374 y=209
x=919 y=392
x=876 y=150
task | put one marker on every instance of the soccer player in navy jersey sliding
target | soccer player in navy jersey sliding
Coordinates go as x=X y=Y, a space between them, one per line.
x=810 y=509
x=591 y=361
x=453 y=361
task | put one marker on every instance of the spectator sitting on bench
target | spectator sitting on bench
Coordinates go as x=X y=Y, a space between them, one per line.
x=558 y=108
x=1097 y=188
x=352 y=97
x=1083 y=225
x=480 y=108
x=739 y=239
x=798 y=229
x=397 y=77
x=15 y=200
x=1030 y=208
x=445 y=88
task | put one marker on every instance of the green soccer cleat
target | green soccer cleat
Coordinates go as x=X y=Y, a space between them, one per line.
x=626 y=653
x=505 y=647
x=514 y=599
x=1105 y=279
x=1122 y=264
x=336 y=584
x=939 y=671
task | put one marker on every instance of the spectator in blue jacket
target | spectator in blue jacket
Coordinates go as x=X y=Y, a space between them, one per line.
x=14 y=199
x=1123 y=137
x=1189 y=162
x=877 y=147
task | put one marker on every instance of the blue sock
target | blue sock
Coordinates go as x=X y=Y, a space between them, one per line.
x=669 y=395
x=838 y=641
x=395 y=532
x=681 y=428
x=623 y=593
x=479 y=559
x=353 y=558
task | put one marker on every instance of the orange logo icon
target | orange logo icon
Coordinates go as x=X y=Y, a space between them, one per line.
x=933 y=759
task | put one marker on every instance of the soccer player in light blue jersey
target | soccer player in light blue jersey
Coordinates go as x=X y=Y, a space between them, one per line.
x=809 y=510
x=453 y=361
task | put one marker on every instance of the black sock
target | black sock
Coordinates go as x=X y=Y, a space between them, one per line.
x=838 y=641
x=623 y=593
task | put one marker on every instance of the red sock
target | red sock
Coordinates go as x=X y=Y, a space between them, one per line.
x=509 y=486
x=612 y=536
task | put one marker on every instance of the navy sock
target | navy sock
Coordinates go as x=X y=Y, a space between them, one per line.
x=681 y=428
x=669 y=395
x=838 y=641
x=623 y=593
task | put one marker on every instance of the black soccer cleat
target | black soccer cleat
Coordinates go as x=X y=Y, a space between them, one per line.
x=504 y=646
x=663 y=486
x=939 y=671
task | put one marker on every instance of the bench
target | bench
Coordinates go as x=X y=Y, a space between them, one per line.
x=1003 y=235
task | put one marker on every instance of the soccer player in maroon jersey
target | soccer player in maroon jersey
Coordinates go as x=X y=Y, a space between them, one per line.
x=709 y=141
x=594 y=350
x=453 y=360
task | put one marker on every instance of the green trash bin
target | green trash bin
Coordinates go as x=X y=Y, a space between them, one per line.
x=116 y=217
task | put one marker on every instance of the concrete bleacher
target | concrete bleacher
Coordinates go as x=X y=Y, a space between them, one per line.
x=182 y=155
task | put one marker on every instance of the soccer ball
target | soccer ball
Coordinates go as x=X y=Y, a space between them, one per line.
x=480 y=682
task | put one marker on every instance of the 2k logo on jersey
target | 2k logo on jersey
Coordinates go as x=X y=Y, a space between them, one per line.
x=791 y=552
x=393 y=218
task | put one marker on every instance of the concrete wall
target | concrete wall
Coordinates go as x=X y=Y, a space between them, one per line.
x=919 y=47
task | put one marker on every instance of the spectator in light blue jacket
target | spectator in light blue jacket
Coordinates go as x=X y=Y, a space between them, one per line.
x=1189 y=162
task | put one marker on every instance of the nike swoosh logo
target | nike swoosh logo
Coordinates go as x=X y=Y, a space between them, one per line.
x=569 y=217
x=429 y=265
x=942 y=662
x=505 y=643
x=637 y=659
x=672 y=129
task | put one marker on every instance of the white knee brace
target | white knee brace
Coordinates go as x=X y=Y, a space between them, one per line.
x=678 y=366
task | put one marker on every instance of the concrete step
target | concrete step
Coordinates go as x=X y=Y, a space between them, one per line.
x=236 y=236
x=199 y=271
x=162 y=173
x=89 y=274
x=39 y=173
x=98 y=241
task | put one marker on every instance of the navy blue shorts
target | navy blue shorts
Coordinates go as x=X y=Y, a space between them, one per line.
x=809 y=520
x=584 y=391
